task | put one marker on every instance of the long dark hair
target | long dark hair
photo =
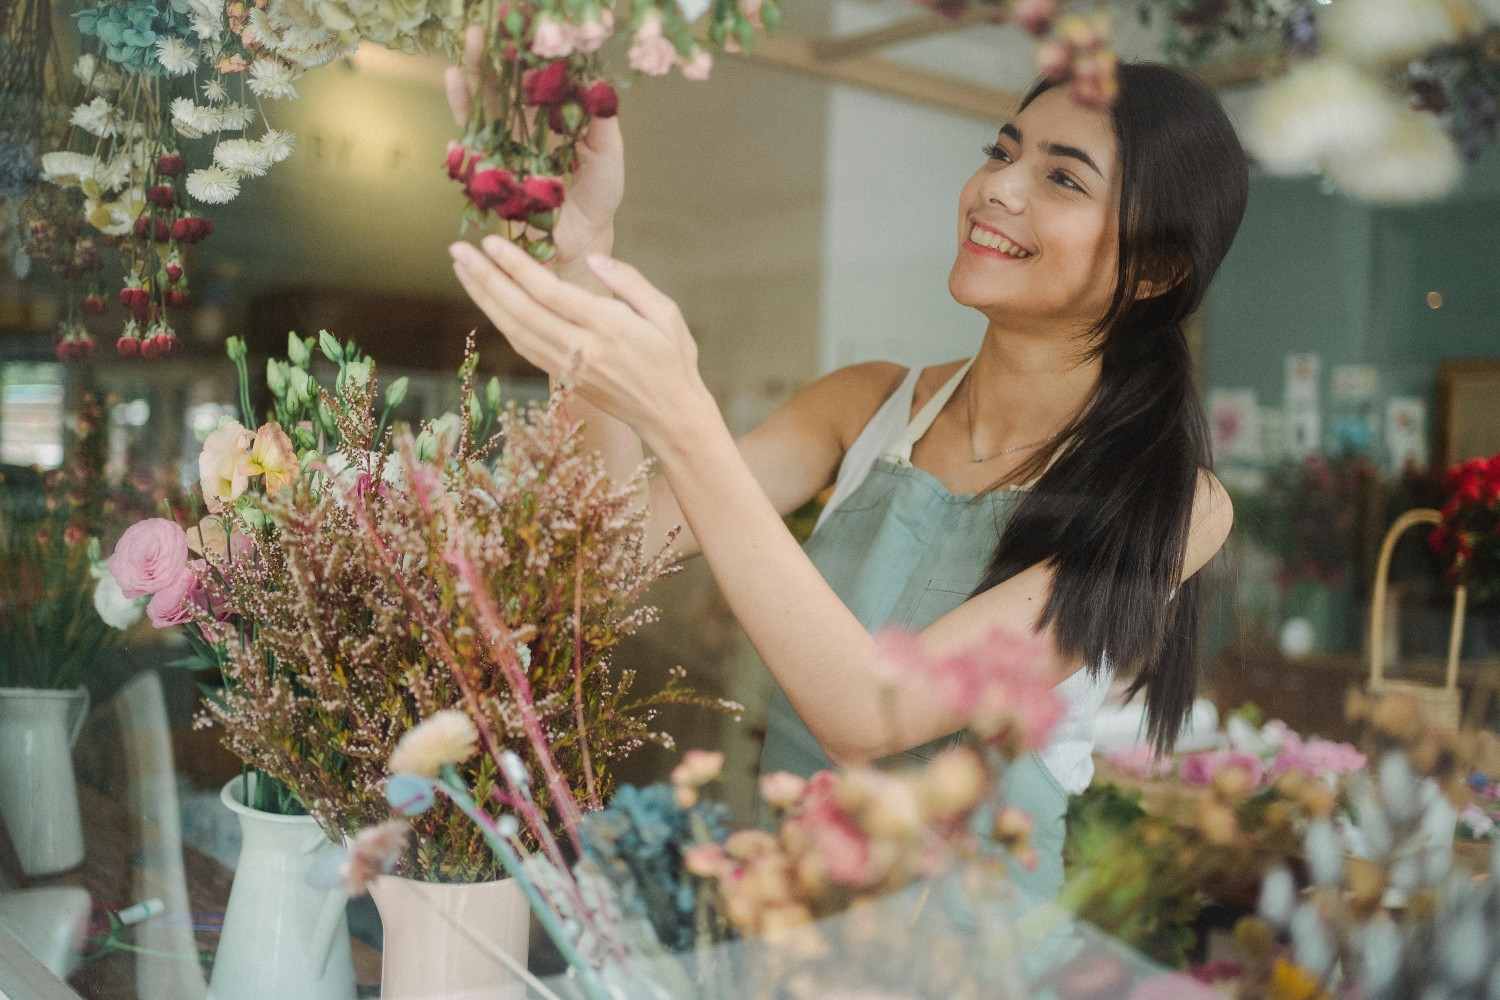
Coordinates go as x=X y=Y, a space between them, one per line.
x=1111 y=514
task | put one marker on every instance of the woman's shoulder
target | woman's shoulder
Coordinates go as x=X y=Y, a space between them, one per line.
x=848 y=397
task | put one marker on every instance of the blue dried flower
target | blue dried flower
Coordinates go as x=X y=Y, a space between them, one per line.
x=130 y=30
x=18 y=166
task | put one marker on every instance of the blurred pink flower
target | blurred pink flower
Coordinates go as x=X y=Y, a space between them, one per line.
x=374 y=853
x=594 y=32
x=650 y=51
x=150 y=557
x=1002 y=687
x=1198 y=769
x=1140 y=761
x=782 y=790
x=176 y=603
x=223 y=465
x=1173 y=986
x=553 y=39
x=698 y=66
x=1315 y=756
x=841 y=847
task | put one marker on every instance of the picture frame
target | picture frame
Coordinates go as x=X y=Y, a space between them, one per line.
x=1468 y=410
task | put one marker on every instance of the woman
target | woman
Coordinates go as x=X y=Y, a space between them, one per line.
x=1057 y=482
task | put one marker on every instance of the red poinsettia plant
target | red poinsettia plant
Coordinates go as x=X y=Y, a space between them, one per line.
x=1469 y=536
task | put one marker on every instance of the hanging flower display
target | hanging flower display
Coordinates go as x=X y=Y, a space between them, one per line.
x=1468 y=539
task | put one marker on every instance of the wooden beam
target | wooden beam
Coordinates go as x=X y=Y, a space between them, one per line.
x=788 y=51
x=1236 y=71
x=907 y=30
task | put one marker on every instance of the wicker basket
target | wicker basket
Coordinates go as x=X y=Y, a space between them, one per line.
x=1441 y=704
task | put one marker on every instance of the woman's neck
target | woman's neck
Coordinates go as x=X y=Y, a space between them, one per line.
x=1026 y=387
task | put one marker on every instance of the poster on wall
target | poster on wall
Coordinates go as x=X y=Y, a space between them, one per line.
x=1354 y=421
x=1234 y=415
x=1406 y=433
x=1304 y=426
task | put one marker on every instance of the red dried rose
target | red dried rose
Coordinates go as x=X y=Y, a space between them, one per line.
x=161 y=195
x=170 y=165
x=543 y=194
x=134 y=298
x=547 y=86
x=174 y=271
x=127 y=347
x=599 y=100
x=490 y=187
x=93 y=304
x=176 y=299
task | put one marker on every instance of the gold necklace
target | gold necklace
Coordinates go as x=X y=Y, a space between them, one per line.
x=969 y=417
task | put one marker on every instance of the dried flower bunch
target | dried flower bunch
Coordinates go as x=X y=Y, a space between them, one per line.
x=1469 y=537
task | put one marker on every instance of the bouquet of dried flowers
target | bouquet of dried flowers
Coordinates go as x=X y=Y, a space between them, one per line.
x=835 y=890
x=1469 y=537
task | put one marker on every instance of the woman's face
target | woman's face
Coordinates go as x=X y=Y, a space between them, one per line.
x=1038 y=224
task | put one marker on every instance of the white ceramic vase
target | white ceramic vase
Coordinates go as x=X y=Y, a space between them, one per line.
x=427 y=957
x=282 y=937
x=38 y=792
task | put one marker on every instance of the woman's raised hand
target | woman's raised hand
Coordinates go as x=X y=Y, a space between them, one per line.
x=631 y=356
x=587 y=221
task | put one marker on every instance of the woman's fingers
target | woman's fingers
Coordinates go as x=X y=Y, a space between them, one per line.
x=632 y=288
x=562 y=298
x=540 y=335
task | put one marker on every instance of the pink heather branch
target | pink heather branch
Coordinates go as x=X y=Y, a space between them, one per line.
x=583 y=740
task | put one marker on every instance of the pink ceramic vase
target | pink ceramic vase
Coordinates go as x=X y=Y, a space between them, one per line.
x=428 y=957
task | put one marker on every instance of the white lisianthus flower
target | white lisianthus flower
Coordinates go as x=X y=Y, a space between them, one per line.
x=270 y=78
x=117 y=610
x=1379 y=32
x=97 y=117
x=1321 y=107
x=242 y=157
x=693 y=9
x=446 y=737
x=214 y=92
x=176 y=56
x=277 y=144
x=213 y=185
x=1417 y=163
x=68 y=169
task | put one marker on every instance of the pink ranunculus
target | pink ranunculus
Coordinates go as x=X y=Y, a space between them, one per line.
x=553 y=39
x=150 y=557
x=224 y=464
x=651 y=52
x=176 y=604
x=595 y=31
x=697 y=67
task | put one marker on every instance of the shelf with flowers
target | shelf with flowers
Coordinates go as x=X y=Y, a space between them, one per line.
x=327 y=584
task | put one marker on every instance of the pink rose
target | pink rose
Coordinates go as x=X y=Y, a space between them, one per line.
x=224 y=464
x=553 y=39
x=650 y=51
x=150 y=556
x=175 y=604
x=698 y=67
x=594 y=32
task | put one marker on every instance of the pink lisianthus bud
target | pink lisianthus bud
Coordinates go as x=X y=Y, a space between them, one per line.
x=176 y=604
x=594 y=32
x=150 y=557
x=547 y=86
x=552 y=38
x=223 y=464
x=699 y=66
x=599 y=100
x=650 y=51
x=781 y=789
x=705 y=860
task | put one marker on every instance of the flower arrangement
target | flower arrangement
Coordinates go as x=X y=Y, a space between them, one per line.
x=347 y=591
x=1468 y=539
x=657 y=881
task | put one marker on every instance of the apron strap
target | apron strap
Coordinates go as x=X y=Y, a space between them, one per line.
x=900 y=450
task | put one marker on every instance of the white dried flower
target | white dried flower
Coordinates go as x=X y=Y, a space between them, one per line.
x=1325 y=856
x=231 y=117
x=514 y=769
x=213 y=185
x=68 y=169
x=693 y=9
x=1378 y=32
x=206 y=18
x=1278 y=894
x=192 y=121
x=446 y=737
x=242 y=157
x=271 y=79
x=176 y=56
x=214 y=92
x=1321 y=107
x=277 y=144
x=116 y=173
x=1418 y=162
x=98 y=117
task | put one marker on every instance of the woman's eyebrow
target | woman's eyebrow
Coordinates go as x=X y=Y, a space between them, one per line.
x=1054 y=148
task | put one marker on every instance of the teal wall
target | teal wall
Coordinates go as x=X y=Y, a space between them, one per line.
x=1314 y=271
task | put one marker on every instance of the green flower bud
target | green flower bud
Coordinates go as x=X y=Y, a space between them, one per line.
x=426 y=445
x=744 y=33
x=297 y=350
x=770 y=15
x=332 y=349
x=492 y=393
x=253 y=515
x=304 y=438
x=235 y=348
x=395 y=393
x=276 y=373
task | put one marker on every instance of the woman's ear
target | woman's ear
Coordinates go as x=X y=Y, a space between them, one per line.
x=1159 y=278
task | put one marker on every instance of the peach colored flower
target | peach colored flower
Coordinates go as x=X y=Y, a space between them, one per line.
x=209 y=537
x=781 y=789
x=446 y=737
x=272 y=454
x=698 y=768
x=651 y=52
x=150 y=557
x=223 y=465
x=705 y=860
x=698 y=66
x=954 y=783
x=595 y=31
x=374 y=853
x=552 y=38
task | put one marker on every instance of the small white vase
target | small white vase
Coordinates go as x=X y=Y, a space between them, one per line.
x=282 y=937
x=38 y=792
x=427 y=957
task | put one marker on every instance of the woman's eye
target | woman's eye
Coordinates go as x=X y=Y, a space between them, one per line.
x=994 y=152
x=1059 y=177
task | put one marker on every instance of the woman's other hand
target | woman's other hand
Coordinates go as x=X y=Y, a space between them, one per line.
x=587 y=221
x=632 y=355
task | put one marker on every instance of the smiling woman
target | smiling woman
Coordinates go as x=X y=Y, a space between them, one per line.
x=1065 y=493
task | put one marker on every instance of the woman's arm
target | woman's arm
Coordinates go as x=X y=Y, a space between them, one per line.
x=636 y=360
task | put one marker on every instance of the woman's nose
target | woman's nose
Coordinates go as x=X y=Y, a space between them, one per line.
x=1007 y=189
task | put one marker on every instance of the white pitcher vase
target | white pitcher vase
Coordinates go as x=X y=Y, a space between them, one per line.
x=282 y=937
x=428 y=957
x=38 y=792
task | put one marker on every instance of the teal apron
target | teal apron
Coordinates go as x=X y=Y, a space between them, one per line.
x=903 y=551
